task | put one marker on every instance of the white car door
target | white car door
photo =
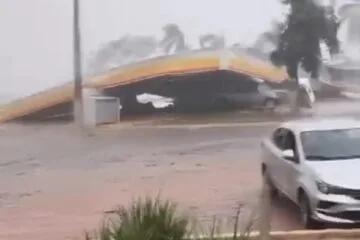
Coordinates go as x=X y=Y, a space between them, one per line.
x=275 y=160
x=290 y=167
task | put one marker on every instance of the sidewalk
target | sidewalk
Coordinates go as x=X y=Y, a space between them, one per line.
x=229 y=119
x=336 y=108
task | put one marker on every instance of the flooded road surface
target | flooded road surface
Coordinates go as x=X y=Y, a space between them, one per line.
x=55 y=182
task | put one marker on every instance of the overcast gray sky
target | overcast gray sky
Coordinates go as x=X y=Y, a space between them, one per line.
x=36 y=50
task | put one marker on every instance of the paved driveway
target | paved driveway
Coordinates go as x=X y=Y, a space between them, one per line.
x=55 y=182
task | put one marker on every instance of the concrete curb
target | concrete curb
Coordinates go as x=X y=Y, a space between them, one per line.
x=332 y=234
x=211 y=125
x=187 y=126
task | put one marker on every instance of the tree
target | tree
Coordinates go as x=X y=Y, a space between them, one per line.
x=307 y=25
x=122 y=50
x=268 y=40
x=212 y=41
x=174 y=39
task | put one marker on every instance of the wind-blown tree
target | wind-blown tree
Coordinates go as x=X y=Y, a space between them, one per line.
x=174 y=39
x=212 y=41
x=269 y=39
x=307 y=25
x=122 y=50
x=266 y=42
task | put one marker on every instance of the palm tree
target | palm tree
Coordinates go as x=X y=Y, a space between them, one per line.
x=174 y=39
x=212 y=41
x=307 y=25
x=122 y=50
x=268 y=40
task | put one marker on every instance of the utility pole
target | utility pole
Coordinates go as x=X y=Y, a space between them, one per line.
x=78 y=102
x=265 y=206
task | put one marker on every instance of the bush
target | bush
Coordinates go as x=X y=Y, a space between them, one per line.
x=153 y=219
x=145 y=219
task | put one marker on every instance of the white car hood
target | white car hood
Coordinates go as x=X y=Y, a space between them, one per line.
x=341 y=173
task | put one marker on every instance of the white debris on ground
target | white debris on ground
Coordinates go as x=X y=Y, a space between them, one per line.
x=306 y=84
x=156 y=100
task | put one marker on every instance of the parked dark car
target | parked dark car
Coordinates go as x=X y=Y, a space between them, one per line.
x=263 y=96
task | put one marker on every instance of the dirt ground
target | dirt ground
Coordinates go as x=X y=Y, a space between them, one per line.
x=56 y=182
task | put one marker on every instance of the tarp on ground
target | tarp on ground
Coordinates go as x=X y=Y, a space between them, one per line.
x=177 y=65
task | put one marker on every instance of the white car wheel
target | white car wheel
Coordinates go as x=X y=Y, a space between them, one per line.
x=305 y=214
x=272 y=188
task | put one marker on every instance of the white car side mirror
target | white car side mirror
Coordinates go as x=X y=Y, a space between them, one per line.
x=288 y=154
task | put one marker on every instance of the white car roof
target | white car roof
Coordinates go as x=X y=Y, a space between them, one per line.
x=315 y=124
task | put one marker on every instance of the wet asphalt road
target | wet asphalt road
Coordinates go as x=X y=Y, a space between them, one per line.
x=50 y=175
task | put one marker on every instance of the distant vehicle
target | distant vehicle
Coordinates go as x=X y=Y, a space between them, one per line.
x=263 y=96
x=248 y=93
x=315 y=163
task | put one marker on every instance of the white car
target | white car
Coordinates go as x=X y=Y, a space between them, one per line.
x=316 y=164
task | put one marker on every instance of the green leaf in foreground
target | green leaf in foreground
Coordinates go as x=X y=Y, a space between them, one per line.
x=146 y=219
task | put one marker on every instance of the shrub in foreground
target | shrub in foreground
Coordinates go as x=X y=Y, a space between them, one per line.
x=145 y=219
x=154 y=219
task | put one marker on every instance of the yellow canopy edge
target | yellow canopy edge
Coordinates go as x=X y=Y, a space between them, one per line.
x=140 y=72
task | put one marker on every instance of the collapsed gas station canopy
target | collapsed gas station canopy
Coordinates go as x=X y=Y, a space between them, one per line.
x=174 y=65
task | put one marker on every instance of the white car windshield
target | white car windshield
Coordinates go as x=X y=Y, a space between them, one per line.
x=331 y=144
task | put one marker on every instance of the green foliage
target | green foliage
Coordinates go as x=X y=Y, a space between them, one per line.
x=272 y=35
x=148 y=219
x=174 y=37
x=307 y=25
x=153 y=219
x=212 y=41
